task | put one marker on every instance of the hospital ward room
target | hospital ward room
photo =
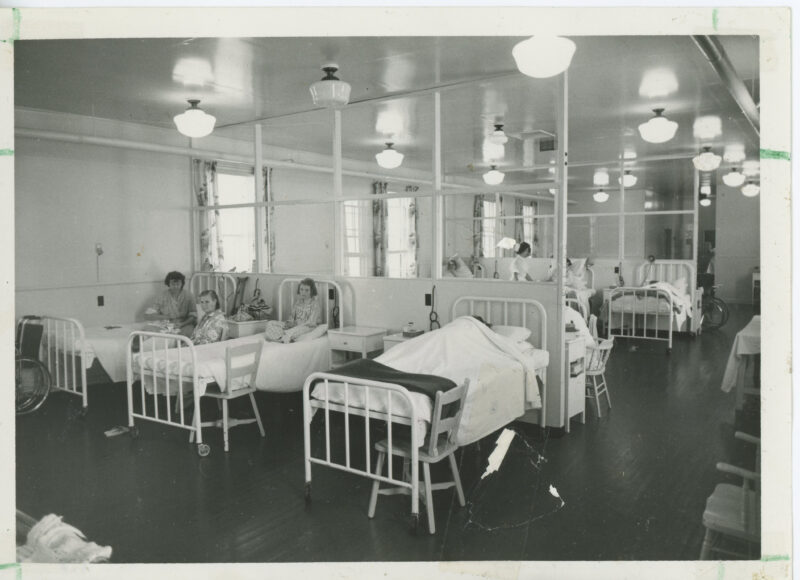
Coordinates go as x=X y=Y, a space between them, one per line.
x=387 y=299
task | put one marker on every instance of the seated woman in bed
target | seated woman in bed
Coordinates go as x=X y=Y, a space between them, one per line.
x=175 y=304
x=212 y=326
x=305 y=315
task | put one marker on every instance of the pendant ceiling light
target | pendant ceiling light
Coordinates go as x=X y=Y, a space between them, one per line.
x=706 y=128
x=389 y=158
x=194 y=122
x=659 y=129
x=705 y=202
x=600 y=196
x=750 y=190
x=498 y=136
x=733 y=179
x=706 y=161
x=628 y=179
x=493 y=176
x=734 y=153
x=330 y=92
x=600 y=177
x=543 y=56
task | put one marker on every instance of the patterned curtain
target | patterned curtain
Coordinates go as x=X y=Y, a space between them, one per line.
x=269 y=217
x=204 y=184
x=519 y=220
x=379 y=215
x=477 y=227
x=413 y=218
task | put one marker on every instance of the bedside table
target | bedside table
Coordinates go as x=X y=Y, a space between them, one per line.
x=575 y=399
x=360 y=339
x=391 y=340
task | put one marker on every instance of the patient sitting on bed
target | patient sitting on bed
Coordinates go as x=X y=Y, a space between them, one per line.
x=175 y=304
x=305 y=315
x=212 y=326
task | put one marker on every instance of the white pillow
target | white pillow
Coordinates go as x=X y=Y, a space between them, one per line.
x=681 y=286
x=515 y=333
x=316 y=332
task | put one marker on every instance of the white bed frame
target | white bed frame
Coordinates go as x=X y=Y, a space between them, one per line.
x=327 y=291
x=221 y=282
x=649 y=323
x=493 y=310
x=571 y=298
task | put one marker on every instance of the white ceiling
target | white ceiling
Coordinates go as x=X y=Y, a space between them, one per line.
x=247 y=80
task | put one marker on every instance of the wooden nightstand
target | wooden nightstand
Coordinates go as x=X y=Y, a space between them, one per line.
x=575 y=399
x=391 y=340
x=360 y=339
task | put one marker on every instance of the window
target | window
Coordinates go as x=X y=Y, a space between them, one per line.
x=528 y=214
x=355 y=252
x=236 y=226
x=488 y=225
x=401 y=238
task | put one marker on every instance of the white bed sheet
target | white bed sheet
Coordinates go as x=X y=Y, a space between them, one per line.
x=502 y=375
x=681 y=303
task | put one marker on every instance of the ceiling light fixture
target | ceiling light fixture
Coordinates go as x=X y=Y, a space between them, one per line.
x=498 y=136
x=734 y=153
x=330 y=92
x=493 y=176
x=543 y=56
x=658 y=83
x=194 y=122
x=706 y=128
x=750 y=189
x=600 y=196
x=628 y=179
x=389 y=158
x=705 y=189
x=659 y=129
x=705 y=202
x=733 y=179
x=750 y=168
x=600 y=177
x=706 y=161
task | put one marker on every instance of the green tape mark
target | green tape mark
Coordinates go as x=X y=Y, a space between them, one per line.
x=771 y=558
x=16 y=566
x=772 y=154
x=15 y=26
x=720 y=571
x=715 y=18
x=6 y=152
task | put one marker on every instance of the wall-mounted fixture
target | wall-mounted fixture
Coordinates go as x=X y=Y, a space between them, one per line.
x=600 y=196
x=493 y=176
x=543 y=56
x=733 y=179
x=750 y=189
x=706 y=161
x=389 y=158
x=628 y=179
x=498 y=136
x=195 y=122
x=330 y=92
x=659 y=129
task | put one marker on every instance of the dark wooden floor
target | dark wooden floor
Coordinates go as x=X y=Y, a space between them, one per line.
x=633 y=483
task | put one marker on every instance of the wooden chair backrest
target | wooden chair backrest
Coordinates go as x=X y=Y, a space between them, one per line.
x=593 y=327
x=597 y=356
x=443 y=429
x=241 y=365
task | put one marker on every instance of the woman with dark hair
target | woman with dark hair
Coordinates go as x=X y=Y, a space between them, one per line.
x=212 y=327
x=304 y=318
x=175 y=304
x=520 y=265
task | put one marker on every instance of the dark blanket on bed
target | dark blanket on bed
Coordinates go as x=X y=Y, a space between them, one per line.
x=375 y=371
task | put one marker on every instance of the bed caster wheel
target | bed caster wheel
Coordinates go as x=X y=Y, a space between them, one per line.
x=203 y=450
x=307 y=494
x=134 y=432
x=413 y=524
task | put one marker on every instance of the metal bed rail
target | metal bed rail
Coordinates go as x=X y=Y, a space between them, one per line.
x=396 y=396
x=221 y=282
x=638 y=314
x=62 y=352
x=164 y=380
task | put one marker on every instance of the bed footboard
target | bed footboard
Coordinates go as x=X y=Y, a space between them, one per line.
x=63 y=341
x=159 y=362
x=635 y=312
x=357 y=397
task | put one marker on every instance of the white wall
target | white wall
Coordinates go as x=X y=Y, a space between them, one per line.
x=738 y=244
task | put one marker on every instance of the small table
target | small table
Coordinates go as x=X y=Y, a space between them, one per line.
x=574 y=399
x=391 y=340
x=746 y=346
x=361 y=339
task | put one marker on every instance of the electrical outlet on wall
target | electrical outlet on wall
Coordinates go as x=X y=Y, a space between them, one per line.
x=616 y=269
x=101 y=301
x=427 y=299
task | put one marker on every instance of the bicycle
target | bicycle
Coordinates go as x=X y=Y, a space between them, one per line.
x=715 y=312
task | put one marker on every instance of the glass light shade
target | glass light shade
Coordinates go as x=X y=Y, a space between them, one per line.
x=659 y=129
x=705 y=189
x=600 y=177
x=600 y=196
x=706 y=161
x=733 y=179
x=734 y=153
x=658 y=83
x=493 y=176
x=705 y=202
x=628 y=179
x=543 y=56
x=750 y=190
x=389 y=158
x=330 y=92
x=498 y=136
x=194 y=122
x=707 y=127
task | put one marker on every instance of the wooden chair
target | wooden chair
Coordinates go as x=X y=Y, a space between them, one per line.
x=241 y=364
x=596 y=360
x=734 y=511
x=440 y=444
x=593 y=327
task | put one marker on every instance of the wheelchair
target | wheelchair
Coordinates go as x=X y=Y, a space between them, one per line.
x=31 y=377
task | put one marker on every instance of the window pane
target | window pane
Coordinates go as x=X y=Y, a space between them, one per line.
x=302 y=235
x=585 y=182
x=234 y=189
x=596 y=236
x=665 y=236
x=233 y=238
x=661 y=186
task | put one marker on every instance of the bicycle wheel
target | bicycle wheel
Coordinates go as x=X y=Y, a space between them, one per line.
x=725 y=311
x=715 y=313
x=32 y=385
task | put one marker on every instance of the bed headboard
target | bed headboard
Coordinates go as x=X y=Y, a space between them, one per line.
x=329 y=293
x=667 y=271
x=507 y=311
x=221 y=282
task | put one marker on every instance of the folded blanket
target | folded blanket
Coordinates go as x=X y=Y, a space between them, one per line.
x=418 y=383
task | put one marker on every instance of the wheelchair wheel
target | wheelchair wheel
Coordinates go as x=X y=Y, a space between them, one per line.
x=32 y=385
x=715 y=313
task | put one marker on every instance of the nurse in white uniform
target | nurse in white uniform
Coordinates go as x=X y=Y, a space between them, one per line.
x=520 y=265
